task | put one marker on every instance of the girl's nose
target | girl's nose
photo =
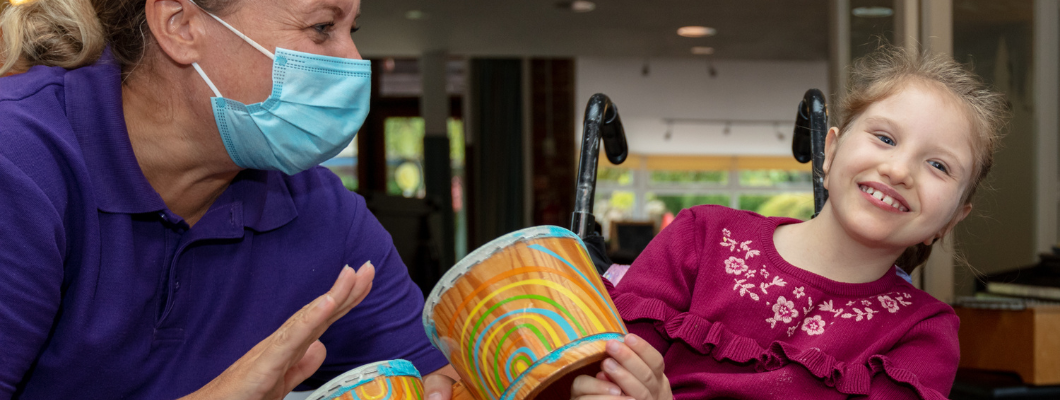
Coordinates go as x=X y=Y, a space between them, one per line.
x=897 y=171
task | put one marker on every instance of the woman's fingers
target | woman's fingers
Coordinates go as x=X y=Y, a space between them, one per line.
x=304 y=368
x=585 y=385
x=361 y=287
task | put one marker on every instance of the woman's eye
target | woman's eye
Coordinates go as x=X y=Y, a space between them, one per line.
x=939 y=166
x=885 y=139
x=354 y=29
x=324 y=29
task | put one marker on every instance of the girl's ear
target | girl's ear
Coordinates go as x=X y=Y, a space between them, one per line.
x=830 y=142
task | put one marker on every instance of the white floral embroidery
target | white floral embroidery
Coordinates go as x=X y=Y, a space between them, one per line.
x=828 y=307
x=735 y=266
x=866 y=303
x=799 y=292
x=750 y=273
x=751 y=253
x=783 y=311
x=791 y=331
x=727 y=241
x=776 y=282
x=743 y=288
x=850 y=303
x=744 y=247
x=765 y=274
x=867 y=314
x=813 y=325
x=888 y=303
x=809 y=301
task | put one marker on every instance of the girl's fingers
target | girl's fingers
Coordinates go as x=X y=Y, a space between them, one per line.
x=648 y=353
x=630 y=384
x=602 y=376
x=585 y=385
x=602 y=397
x=632 y=363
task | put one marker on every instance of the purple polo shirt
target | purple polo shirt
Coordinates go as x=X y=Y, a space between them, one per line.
x=106 y=294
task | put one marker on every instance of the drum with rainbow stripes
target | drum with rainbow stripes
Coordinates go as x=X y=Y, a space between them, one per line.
x=391 y=380
x=521 y=316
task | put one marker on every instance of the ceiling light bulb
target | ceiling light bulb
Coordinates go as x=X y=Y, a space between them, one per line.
x=872 y=12
x=577 y=5
x=415 y=15
x=702 y=50
x=696 y=31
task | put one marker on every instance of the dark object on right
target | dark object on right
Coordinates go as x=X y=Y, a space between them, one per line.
x=807 y=143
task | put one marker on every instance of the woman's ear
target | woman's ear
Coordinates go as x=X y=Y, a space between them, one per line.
x=830 y=142
x=176 y=26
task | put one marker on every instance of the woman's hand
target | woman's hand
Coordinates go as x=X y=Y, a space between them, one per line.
x=635 y=370
x=272 y=368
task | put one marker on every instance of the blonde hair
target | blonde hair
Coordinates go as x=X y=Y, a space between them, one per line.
x=63 y=33
x=886 y=71
x=73 y=33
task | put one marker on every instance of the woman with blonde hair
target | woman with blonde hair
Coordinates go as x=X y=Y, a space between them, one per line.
x=165 y=218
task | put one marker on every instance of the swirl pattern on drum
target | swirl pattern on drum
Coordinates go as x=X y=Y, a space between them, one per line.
x=516 y=304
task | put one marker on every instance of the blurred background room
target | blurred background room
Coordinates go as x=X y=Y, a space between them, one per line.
x=477 y=114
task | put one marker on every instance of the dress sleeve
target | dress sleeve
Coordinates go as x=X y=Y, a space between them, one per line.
x=922 y=365
x=387 y=324
x=659 y=284
x=32 y=246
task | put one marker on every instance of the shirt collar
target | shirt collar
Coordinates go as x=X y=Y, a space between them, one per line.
x=267 y=202
x=94 y=108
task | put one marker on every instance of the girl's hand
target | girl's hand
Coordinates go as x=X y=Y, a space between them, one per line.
x=272 y=368
x=635 y=368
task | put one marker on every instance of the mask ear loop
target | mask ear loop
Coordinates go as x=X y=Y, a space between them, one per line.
x=237 y=33
x=209 y=83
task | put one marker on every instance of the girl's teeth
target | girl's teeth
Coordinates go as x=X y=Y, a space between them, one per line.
x=888 y=200
x=877 y=195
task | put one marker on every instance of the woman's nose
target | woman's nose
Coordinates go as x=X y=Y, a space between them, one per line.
x=349 y=50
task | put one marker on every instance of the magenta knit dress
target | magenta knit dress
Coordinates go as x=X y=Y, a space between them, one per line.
x=733 y=319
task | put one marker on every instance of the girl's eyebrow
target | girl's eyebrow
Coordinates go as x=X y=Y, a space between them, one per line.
x=890 y=125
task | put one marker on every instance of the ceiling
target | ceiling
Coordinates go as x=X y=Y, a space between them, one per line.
x=746 y=29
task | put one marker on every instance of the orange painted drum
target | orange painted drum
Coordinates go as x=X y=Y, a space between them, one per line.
x=384 y=380
x=522 y=313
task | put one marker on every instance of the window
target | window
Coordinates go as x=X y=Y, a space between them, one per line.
x=656 y=188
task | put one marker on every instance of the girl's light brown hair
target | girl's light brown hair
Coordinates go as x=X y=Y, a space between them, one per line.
x=886 y=71
x=73 y=33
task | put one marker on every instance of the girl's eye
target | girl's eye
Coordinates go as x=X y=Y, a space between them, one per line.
x=354 y=29
x=885 y=139
x=939 y=166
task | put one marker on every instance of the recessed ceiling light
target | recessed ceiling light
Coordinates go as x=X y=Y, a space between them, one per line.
x=872 y=12
x=415 y=15
x=696 y=31
x=702 y=50
x=577 y=5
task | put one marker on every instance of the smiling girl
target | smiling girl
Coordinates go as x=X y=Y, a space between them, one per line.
x=728 y=303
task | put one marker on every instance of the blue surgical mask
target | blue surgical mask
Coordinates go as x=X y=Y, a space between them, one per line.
x=317 y=105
